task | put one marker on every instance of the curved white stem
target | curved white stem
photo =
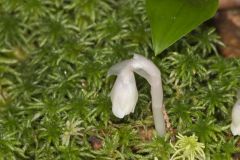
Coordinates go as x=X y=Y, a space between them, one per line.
x=117 y=68
x=151 y=73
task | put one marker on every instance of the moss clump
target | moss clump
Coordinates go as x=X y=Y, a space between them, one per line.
x=54 y=57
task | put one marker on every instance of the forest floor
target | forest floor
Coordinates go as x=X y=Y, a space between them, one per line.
x=54 y=93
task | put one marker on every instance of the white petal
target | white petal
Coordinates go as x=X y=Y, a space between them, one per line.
x=124 y=94
x=235 y=126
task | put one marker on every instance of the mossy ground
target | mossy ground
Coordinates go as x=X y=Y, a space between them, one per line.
x=54 y=57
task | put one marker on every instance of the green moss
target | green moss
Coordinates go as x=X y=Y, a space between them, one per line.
x=54 y=57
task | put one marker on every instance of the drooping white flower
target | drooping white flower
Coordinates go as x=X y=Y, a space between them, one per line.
x=235 y=126
x=124 y=93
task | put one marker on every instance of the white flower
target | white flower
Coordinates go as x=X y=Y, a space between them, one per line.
x=124 y=94
x=235 y=126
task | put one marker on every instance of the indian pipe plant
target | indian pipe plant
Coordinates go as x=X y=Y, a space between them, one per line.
x=54 y=89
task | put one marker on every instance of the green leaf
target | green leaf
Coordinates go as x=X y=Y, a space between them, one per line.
x=172 y=19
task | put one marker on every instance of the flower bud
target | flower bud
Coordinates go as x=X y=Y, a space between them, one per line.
x=124 y=93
